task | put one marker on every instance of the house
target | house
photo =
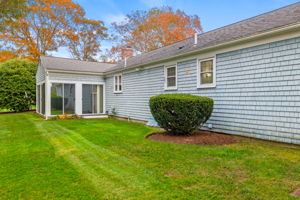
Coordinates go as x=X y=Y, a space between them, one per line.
x=250 y=68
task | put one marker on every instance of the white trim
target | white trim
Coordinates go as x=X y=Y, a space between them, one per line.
x=74 y=82
x=94 y=116
x=166 y=67
x=119 y=83
x=76 y=72
x=199 y=85
x=47 y=97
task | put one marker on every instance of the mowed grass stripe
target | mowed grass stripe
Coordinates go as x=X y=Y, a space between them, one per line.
x=101 y=166
x=29 y=168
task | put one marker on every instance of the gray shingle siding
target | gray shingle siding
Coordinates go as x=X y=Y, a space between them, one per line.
x=40 y=74
x=257 y=93
x=75 y=77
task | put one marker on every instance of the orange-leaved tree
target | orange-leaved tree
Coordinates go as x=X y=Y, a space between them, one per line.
x=6 y=55
x=148 y=30
x=45 y=27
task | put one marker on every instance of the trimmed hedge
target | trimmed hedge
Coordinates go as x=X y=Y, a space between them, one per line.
x=180 y=114
x=17 y=85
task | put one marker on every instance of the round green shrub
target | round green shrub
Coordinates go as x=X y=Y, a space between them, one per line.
x=17 y=84
x=180 y=114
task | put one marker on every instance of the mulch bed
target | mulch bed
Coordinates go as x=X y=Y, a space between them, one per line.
x=296 y=193
x=29 y=111
x=199 y=137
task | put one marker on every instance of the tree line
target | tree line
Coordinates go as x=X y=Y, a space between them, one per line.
x=31 y=28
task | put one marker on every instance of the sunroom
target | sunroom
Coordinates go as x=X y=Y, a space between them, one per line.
x=70 y=87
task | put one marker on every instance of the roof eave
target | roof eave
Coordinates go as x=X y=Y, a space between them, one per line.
x=75 y=72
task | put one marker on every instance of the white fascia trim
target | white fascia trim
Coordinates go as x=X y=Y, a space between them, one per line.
x=283 y=30
x=212 y=85
x=75 y=72
x=81 y=82
x=176 y=75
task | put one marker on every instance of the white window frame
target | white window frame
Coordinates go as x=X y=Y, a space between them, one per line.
x=208 y=85
x=63 y=95
x=166 y=77
x=120 y=83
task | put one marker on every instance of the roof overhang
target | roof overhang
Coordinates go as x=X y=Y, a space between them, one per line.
x=74 y=72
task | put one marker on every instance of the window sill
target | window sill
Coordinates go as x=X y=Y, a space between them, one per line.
x=206 y=86
x=173 y=88
x=117 y=92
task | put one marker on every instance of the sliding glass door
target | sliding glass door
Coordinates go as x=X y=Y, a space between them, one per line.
x=62 y=99
x=92 y=99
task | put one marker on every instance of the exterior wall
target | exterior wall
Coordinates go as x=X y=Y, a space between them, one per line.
x=78 y=80
x=74 y=77
x=40 y=74
x=257 y=92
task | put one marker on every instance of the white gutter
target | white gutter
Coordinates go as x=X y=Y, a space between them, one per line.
x=232 y=42
x=75 y=72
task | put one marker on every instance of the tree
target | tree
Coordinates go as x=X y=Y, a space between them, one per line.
x=11 y=9
x=148 y=30
x=6 y=55
x=17 y=84
x=47 y=25
x=84 y=43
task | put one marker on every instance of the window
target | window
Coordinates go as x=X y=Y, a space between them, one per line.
x=206 y=73
x=118 y=83
x=171 y=77
x=62 y=99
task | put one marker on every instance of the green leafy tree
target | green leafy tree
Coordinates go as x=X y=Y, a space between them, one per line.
x=17 y=84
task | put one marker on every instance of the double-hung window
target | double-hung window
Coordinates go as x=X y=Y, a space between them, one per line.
x=118 y=83
x=171 y=77
x=206 y=73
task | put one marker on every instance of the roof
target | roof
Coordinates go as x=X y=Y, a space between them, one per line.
x=265 y=22
x=276 y=19
x=67 y=64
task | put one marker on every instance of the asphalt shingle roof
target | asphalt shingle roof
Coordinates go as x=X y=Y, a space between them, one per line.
x=66 y=64
x=265 y=22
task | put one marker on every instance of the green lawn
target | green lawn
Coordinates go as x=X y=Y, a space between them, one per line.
x=111 y=159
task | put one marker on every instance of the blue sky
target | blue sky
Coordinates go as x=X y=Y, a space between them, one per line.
x=213 y=13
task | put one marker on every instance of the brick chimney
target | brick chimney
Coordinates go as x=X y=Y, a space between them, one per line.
x=127 y=52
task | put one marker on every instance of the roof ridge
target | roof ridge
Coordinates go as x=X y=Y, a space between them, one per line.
x=281 y=8
x=201 y=34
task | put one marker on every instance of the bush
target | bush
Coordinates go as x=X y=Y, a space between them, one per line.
x=180 y=114
x=17 y=84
